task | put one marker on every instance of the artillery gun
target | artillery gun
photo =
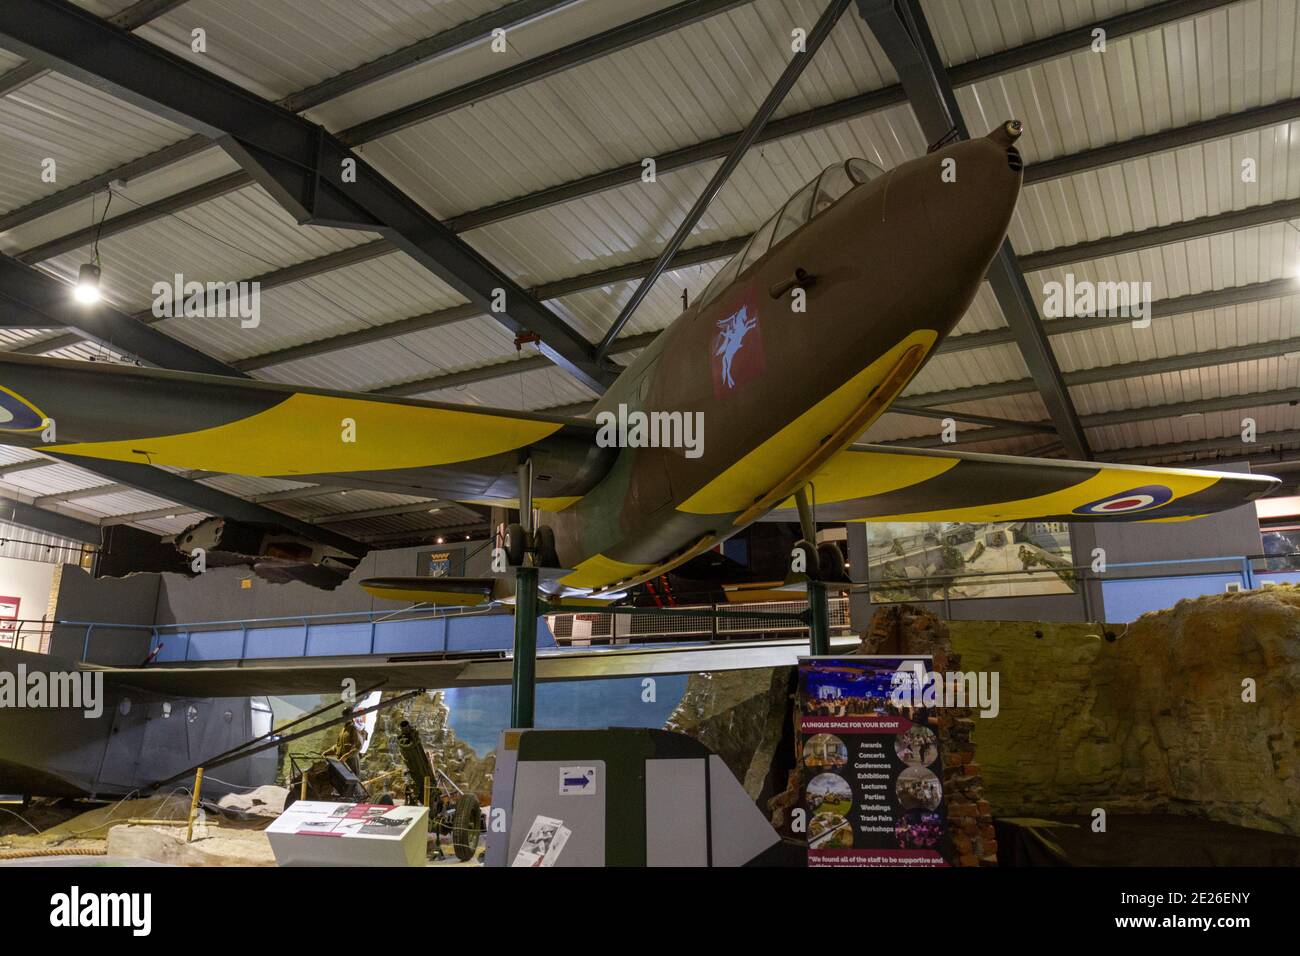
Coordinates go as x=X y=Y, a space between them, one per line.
x=451 y=809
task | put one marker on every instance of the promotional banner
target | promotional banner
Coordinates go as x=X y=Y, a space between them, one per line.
x=872 y=768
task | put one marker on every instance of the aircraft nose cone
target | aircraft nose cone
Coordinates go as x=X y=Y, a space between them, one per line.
x=970 y=191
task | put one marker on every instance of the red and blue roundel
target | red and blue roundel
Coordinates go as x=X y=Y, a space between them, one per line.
x=1126 y=502
x=17 y=414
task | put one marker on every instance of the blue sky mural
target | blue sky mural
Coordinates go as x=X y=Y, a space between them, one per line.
x=479 y=714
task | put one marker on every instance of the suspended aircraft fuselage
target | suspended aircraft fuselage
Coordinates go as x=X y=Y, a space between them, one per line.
x=806 y=344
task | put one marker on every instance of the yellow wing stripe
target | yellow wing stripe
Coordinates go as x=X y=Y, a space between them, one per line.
x=758 y=472
x=440 y=598
x=598 y=571
x=308 y=434
x=1104 y=484
x=877 y=474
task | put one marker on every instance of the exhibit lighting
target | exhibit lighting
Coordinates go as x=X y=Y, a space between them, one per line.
x=87 y=288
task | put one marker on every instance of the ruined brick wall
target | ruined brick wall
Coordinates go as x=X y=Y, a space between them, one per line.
x=903 y=630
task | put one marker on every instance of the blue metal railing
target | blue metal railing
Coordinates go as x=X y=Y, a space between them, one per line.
x=433 y=630
x=416 y=630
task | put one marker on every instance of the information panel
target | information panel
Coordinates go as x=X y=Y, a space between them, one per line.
x=872 y=770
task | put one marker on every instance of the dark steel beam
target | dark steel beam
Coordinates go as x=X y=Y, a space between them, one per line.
x=723 y=249
x=410 y=507
x=459 y=313
x=19 y=512
x=974 y=71
x=1126 y=416
x=28 y=465
x=201 y=497
x=789 y=76
x=132 y=18
x=42 y=293
x=305 y=168
x=529 y=71
x=139 y=216
x=1161 y=308
x=1228 y=443
x=172 y=511
x=981 y=68
x=424 y=534
x=298 y=272
x=900 y=28
x=1114 y=373
x=440 y=44
x=1205 y=131
x=864 y=104
x=69 y=195
x=921 y=411
x=838 y=111
x=1280 y=211
x=487 y=373
x=462 y=35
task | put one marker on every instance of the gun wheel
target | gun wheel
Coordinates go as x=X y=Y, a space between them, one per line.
x=466 y=827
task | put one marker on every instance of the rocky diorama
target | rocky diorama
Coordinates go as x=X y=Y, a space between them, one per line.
x=1191 y=710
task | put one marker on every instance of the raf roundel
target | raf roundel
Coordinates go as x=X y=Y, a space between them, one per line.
x=17 y=414
x=1135 y=499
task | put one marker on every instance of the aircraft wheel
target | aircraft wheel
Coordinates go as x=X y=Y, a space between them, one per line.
x=516 y=544
x=809 y=560
x=544 y=544
x=830 y=563
x=466 y=826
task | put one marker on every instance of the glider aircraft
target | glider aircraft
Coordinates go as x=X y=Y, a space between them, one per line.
x=797 y=345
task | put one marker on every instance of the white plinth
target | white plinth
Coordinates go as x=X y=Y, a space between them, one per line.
x=317 y=833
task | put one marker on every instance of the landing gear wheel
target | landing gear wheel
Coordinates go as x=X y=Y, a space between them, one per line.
x=466 y=827
x=830 y=563
x=809 y=562
x=544 y=547
x=516 y=545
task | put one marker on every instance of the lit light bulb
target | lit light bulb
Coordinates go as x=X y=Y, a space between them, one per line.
x=87 y=289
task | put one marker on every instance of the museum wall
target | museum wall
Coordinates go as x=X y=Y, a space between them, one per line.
x=221 y=594
x=25 y=588
x=79 y=597
x=1151 y=722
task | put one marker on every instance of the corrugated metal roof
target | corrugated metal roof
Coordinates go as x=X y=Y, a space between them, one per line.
x=276 y=47
x=703 y=81
x=28 y=544
x=83 y=130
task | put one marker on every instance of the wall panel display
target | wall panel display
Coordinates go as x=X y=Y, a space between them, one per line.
x=871 y=770
x=913 y=562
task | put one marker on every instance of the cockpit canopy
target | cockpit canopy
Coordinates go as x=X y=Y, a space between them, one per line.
x=810 y=201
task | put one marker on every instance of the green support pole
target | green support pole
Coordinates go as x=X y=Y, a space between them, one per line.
x=819 y=620
x=523 y=681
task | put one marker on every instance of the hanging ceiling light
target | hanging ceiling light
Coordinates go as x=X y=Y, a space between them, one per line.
x=87 y=289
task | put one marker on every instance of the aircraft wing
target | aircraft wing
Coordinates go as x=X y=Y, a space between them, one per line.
x=888 y=483
x=444 y=592
x=323 y=675
x=103 y=411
